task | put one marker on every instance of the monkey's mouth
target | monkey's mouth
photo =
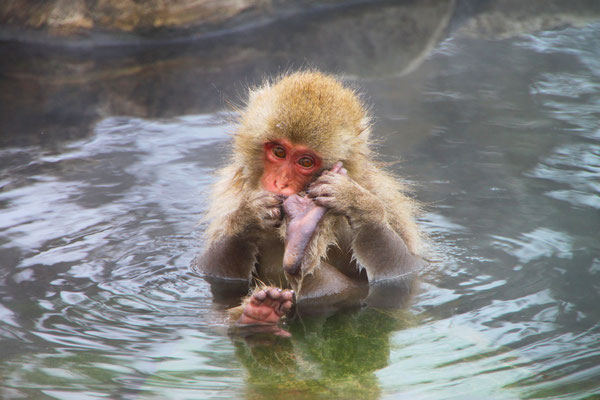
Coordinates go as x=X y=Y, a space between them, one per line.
x=304 y=217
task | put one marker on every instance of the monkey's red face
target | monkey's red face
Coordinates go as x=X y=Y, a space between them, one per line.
x=289 y=168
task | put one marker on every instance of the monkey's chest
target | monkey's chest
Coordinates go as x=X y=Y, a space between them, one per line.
x=269 y=263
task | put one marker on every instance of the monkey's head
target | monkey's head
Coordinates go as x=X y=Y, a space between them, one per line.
x=298 y=126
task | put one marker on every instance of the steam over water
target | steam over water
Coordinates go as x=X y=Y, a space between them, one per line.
x=501 y=137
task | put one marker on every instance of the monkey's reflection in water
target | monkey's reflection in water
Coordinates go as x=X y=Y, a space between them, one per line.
x=333 y=356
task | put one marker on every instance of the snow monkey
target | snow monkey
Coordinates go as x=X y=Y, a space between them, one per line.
x=304 y=209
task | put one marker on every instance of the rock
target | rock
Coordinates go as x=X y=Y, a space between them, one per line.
x=76 y=17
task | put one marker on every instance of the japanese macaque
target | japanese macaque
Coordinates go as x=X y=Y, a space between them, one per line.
x=303 y=209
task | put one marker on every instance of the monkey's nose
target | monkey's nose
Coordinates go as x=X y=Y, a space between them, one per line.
x=282 y=183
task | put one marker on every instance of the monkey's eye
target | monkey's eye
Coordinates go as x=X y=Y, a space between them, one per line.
x=278 y=152
x=306 y=162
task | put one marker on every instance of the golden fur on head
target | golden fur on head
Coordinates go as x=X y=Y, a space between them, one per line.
x=307 y=108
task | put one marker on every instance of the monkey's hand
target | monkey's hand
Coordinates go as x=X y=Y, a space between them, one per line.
x=259 y=212
x=265 y=210
x=342 y=195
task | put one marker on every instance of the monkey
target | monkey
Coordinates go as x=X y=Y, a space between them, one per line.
x=304 y=207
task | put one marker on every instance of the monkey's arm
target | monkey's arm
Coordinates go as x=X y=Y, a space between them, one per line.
x=377 y=247
x=230 y=257
x=231 y=250
x=227 y=265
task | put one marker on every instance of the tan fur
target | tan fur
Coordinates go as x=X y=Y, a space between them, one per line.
x=317 y=111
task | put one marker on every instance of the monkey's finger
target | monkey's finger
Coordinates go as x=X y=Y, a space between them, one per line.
x=331 y=177
x=320 y=190
x=277 y=198
x=316 y=184
x=320 y=193
x=284 y=308
x=274 y=293
x=275 y=213
x=328 y=175
x=258 y=297
x=327 y=202
x=287 y=295
x=336 y=167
